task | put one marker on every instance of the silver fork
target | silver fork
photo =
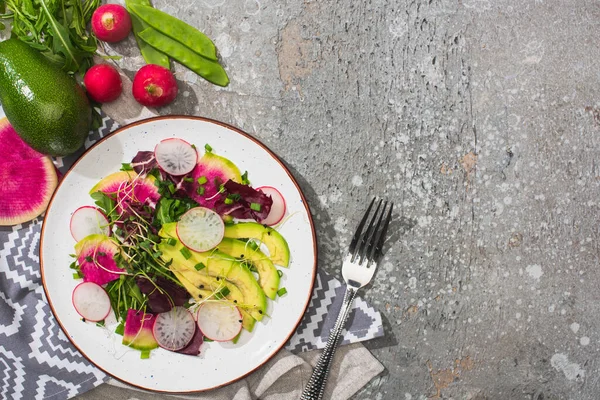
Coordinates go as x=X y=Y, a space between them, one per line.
x=357 y=269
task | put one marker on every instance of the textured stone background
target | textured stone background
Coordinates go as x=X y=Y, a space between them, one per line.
x=479 y=119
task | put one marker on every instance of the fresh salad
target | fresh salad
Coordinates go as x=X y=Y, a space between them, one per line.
x=180 y=248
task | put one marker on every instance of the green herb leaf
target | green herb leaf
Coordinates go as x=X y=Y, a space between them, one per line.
x=208 y=148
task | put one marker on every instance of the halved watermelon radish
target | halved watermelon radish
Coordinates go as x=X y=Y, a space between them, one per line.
x=96 y=259
x=200 y=229
x=219 y=320
x=88 y=220
x=27 y=178
x=138 y=330
x=209 y=174
x=91 y=301
x=277 y=208
x=127 y=187
x=176 y=156
x=174 y=329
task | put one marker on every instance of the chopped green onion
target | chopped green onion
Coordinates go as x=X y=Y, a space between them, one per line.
x=200 y=190
x=228 y=200
x=171 y=241
x=225 y=291
x=280 y=273
x=252 y=244
x=205 y=339
x=281 y=292
x=126 y=167
x=255 y=206
x=193 y=146
x=89 y=259
x=185 y=253
x=199 y=266
x=76 y=275
x=145 y=354
x=208 y=148
x=188 y=179
x=202 y=180
x=245 y=180
x=100 y=323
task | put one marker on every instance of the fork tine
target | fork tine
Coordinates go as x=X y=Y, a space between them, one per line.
x=366 y=238
x=359 y=229
x=378 y=241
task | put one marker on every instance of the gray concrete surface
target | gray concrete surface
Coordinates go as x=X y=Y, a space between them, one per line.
x=480 y=119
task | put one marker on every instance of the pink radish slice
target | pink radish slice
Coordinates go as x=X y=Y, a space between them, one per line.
x=277 y=208
x=91 y=301
x=200 y=229
x=176 y=156
x=174 y=329
x=219 y=320
x=88 y=220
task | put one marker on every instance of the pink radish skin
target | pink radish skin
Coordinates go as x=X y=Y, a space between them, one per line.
x=88 y=220
x=278 y=207
x=111 y=23
x=176 y=156
x=219 y=321
x=154 y=86
x=91 y=301
x=103 y=83
x=174 y=329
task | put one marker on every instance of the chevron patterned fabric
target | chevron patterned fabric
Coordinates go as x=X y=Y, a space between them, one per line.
x=37 y=361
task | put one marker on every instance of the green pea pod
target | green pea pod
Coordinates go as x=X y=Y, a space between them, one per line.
x=209 y=70
x=150 y=54
x=176 y=29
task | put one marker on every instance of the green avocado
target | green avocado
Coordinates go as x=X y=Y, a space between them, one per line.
x=268 y=277
x=279 y=251
x=45 y=105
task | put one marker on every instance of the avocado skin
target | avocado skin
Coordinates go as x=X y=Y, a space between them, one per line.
x=46 y=106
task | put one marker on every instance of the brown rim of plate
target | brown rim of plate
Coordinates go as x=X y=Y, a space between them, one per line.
x=259 y=143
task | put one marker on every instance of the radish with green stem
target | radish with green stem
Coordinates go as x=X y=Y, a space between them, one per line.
x=91 y=301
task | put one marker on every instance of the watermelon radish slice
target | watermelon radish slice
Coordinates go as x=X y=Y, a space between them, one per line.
x=96 y=258
x=173 y=330
x=127 y=188
x=88 y=220
x=26 y=187
x=219 y=320
x=176 y=156
x=213 y=171
x=12 y=147
x=277 y=208
x=200 y=229
x=138 y=330
x=91 y=301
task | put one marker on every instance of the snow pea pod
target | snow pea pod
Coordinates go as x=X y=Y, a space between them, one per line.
x=210 y=70
x=177 y=30
x=150 y=54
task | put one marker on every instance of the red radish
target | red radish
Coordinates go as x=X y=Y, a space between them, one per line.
x=88 y=220
x=174 y=329
x=91 y=301
x=200 y=229
x=111 y=23
x=27 y=178
x=103 y=83
x=277 y=208
x=154 y=86
x=176 y=156
x=219 y=320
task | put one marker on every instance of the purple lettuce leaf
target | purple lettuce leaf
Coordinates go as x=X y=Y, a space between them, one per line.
x=174 y=295
x=243 y=196
x=144 y=162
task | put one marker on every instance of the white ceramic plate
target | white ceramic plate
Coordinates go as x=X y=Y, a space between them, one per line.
x=218 y=364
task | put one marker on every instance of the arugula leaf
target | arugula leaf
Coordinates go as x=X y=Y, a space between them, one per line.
x=106 y=204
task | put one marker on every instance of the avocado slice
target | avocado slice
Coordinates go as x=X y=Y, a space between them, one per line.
x=201 y=285
x=279 y=251
x=267 y=273
x=222 y=266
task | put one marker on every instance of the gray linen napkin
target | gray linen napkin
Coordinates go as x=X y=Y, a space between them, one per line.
x=40 y=363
